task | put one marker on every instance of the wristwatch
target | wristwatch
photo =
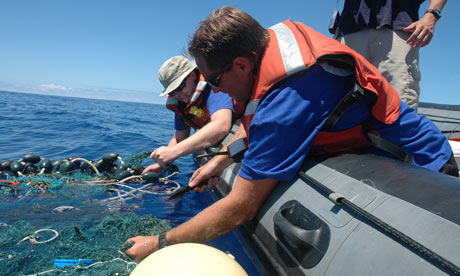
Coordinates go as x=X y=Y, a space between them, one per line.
x=435 y=12
x=162 y=243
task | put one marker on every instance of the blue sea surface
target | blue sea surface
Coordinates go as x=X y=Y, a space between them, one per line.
x=59 y=127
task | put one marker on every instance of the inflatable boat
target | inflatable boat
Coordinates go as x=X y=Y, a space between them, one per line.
x=447 y=118
x=357 y=214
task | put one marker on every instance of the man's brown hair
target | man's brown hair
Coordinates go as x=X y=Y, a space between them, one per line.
x=228 y=33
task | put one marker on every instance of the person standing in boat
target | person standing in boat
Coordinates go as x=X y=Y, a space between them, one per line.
x=390 y=34
x=194 y=106
x=307 y=94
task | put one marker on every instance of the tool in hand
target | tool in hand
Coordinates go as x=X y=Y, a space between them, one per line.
x=182 y=191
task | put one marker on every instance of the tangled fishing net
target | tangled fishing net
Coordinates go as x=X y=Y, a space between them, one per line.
x=94 y=249
x=72 y=216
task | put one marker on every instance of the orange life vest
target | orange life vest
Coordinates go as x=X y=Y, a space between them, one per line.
x=292 y=48
x=195 y=113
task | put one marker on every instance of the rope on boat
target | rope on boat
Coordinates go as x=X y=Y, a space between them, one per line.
x=421 y=249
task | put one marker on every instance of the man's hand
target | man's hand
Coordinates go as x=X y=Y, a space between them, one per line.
x=142 y=247
x=210 y=171
x=153 y=168
x=422 y=31
x=164 y=155
x=215 y=167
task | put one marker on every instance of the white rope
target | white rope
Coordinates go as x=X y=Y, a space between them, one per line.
x=89 y=163
x=33 y=241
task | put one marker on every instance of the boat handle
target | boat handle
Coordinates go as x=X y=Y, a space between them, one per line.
x=302 y=233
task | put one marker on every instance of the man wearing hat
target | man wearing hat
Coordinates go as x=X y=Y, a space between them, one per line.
x=190 y=98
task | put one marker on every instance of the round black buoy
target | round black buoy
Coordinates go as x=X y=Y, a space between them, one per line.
x=122 y=174
x=123 y=167
x=67 y=167
x=5 y=165
x=76 y=162
x=109 y=158
x=138 y=169
x=101 y=166
x=150 y=176
x=30 y=168
x=31 y=158
x=17 y=166
x=57 y=164
x=46 y=165
x=85 y=167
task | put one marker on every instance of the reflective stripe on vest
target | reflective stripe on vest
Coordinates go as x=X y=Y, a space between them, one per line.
x=290 y=55
x=198 y=90
x=289 y=49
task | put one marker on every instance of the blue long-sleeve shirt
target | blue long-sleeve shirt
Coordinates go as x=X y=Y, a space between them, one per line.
x=289 y=118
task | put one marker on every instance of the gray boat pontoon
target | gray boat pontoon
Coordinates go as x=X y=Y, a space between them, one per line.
x=358 y=214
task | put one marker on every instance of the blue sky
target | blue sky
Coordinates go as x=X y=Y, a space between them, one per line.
x=113 y=49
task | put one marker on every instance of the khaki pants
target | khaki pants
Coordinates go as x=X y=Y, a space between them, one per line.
x=394 y=58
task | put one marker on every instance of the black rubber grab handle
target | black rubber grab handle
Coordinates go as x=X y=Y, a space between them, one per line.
x=302 y=233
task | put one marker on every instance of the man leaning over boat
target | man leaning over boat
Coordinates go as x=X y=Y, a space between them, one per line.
x=305 y=94
x=195 y=106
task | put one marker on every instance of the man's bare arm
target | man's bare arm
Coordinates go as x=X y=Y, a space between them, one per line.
x=239 y=206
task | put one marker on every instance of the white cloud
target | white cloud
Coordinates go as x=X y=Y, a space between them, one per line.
x=53 y=86
x=103 y=93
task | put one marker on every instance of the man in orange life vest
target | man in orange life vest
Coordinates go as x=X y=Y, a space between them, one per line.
x=294 y=78
x=194 y=105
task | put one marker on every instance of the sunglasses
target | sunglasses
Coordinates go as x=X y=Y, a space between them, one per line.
x=215 y=80
x=179 y=89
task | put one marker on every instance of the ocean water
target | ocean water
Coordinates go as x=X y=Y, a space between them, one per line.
x=59 y=127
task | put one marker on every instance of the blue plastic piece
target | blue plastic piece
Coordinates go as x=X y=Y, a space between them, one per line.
x=71 y=262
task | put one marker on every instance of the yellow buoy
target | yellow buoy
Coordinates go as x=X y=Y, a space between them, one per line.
x=189 y=259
